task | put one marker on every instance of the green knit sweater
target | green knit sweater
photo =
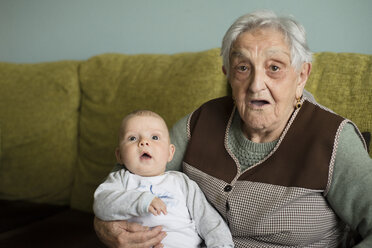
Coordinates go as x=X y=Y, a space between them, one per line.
x=350 y=192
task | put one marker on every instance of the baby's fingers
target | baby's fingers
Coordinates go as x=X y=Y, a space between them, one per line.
x=163 y=209
x=153 y=210
x=157 y=207
x=160 y=207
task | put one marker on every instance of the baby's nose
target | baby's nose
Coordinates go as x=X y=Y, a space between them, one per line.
x=143 y=142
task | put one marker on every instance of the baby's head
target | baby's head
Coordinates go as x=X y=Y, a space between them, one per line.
x=144 y=143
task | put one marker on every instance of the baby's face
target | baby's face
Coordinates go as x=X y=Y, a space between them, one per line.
x=145 y=147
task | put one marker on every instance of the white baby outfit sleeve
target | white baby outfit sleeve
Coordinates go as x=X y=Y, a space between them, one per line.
x=113 y=200
x=209 y=223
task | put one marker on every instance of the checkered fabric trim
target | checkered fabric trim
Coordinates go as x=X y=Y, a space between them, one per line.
x=336 y=140
x=333 y=157
x=226 y=143
x=188 y=126
x=265 y=215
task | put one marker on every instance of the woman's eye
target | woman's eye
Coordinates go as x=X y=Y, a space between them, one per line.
x=155 y=137
x=242 y=68
x=274 y=68
x=132 y=138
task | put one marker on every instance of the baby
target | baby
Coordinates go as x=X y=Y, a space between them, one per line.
x=139 y=190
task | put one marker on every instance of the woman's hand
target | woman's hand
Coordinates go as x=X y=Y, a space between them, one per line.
x=123 y=234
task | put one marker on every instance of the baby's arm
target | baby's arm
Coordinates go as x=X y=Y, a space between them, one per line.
x=112 y=200
x=209 y=223
x=157 y=207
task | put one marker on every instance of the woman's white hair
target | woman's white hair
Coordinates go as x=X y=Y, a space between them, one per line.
x=294 y=34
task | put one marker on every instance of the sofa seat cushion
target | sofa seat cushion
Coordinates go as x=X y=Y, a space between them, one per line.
x=16 y=214
x=63 y=227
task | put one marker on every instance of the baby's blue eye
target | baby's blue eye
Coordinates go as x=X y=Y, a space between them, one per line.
x=132 y=138
x=155 y=137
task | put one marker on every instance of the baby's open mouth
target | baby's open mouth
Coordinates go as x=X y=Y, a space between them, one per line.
x=146 y=155
x=259 y=103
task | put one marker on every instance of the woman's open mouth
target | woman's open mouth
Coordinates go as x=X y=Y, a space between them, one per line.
x=259 y=103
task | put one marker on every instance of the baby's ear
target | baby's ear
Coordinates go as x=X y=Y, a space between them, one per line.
x=118 y=156
x=172 y=150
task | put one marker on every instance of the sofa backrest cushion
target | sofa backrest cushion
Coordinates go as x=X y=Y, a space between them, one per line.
x=39 y=122
x=343 y=83
x=115 y=84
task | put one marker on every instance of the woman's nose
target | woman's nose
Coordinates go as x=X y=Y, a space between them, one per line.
x=257 y=82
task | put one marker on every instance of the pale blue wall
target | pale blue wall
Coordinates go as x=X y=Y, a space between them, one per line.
x=49 y=30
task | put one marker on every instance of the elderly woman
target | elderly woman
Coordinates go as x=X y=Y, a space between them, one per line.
x=282 y=170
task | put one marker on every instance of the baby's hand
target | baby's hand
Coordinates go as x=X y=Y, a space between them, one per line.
x=157 y=207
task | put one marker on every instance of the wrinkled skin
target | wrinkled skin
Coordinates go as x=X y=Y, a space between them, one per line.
x=264 y=83
x=123 y=234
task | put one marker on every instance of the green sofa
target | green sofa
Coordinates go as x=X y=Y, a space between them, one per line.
x=59 y=124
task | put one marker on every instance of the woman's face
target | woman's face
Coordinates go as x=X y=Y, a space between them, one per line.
x=264 y=84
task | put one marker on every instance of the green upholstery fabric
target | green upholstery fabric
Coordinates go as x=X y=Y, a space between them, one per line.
x=59 y=121
x=38 y=120
x=114 y=85
x=343 y=83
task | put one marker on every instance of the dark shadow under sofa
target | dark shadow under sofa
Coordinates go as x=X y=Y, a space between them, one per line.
x=59 y=121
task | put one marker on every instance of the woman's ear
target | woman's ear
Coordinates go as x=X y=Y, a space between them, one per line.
x=224 y=70
x=172 y=150
x=303 y=76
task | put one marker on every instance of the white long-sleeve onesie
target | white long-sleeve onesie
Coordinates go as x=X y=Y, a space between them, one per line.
x=126 y=196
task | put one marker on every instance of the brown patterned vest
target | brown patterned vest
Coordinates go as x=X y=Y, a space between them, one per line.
x=278 y=202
